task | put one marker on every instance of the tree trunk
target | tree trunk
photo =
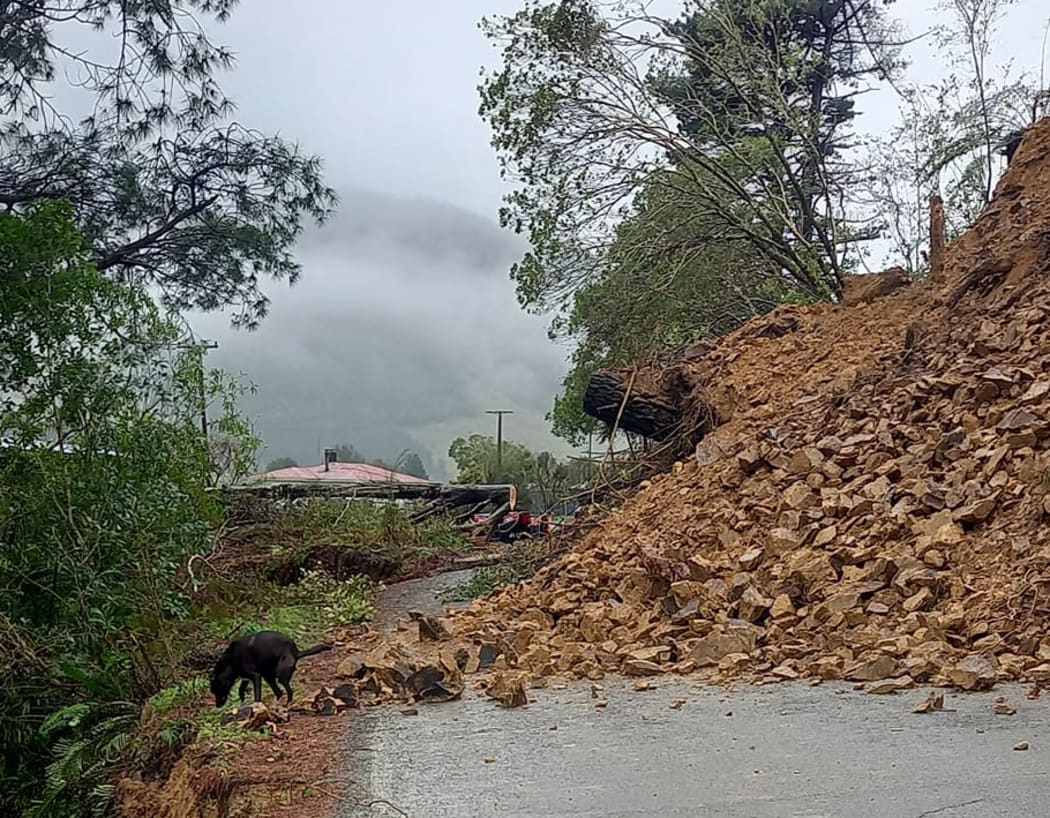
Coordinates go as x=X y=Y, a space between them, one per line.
x=937 y=240
x=645 y=411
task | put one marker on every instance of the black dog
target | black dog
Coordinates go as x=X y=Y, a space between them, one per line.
x=265 y=655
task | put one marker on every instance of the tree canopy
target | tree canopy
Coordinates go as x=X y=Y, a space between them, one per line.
x=676 y=177
x=168 y=189
x=541 y=478
x=104 y=472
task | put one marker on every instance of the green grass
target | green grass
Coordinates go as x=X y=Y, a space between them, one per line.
x=211 y=729
x=384 y=527
x=174 y=697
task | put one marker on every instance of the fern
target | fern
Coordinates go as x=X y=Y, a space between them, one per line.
x=89 y=740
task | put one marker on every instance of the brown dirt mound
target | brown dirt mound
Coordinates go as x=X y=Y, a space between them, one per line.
x=873 y=506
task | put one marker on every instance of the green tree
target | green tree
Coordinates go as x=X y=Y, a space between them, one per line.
x=950 y=133
x=761 y=95
x=104 y=474
x=169 y=190
x=409 y=462
x=541 y=479
x=347 y=453
x=281 y=463
x=666 y=281
x=477 y=460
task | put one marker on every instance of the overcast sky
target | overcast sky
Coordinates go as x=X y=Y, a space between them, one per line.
x=404 y=328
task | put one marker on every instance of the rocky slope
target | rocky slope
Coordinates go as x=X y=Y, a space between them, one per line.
x=873 y=506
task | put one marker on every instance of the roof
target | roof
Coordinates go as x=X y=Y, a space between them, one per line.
x=343 y=473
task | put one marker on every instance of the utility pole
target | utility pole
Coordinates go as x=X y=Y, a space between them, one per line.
x=499 y=413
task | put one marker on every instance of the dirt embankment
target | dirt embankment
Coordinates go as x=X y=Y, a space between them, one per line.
x=872 y=505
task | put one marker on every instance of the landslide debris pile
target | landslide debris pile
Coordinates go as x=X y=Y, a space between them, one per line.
x=874 y=506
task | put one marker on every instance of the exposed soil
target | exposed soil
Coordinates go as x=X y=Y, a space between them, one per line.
x=872 y=505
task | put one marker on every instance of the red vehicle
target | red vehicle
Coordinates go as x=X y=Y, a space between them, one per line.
x=519 y=524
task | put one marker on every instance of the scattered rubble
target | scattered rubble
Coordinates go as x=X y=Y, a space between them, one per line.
x=935 y=701
x=255 y=717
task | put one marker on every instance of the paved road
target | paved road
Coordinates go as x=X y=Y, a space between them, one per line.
x=787 y=751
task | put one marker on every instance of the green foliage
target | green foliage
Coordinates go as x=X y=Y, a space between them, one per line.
x=331 y=603
x=281 y=463
x=103 y=502
x=663 y=286
x=477 y=460
x=408 y=462
x=383 y=529
x=541 y=479
x=521 y=561
x=169 y=190
x=87 y=740
x=762 y=100
x=647 y=232
x=177 y=695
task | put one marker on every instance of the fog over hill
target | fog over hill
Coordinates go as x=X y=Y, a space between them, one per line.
x=401 y=332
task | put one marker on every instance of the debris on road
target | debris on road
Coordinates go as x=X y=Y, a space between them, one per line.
x=935 y=701
x=1003 y=707
x=863 y=507
x=1021 y=746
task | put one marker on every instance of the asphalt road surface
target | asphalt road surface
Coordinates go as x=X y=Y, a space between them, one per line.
x=783 y=751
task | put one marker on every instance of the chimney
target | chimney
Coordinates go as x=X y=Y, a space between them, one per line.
x=330 y=456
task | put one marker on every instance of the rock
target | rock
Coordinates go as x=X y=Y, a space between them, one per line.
x=352 y=667
x=508 y=688
x=948 y=534
x=782 y=607
x=935 y=701
x=640 y=667
x=1037 y=392
x=347 y=694
x=430 y=628
x=783 y=540
x=251 y=718
x=873 y=669
x=887 y=686
x=686 y=591
x=1021 y=746
x=934 y=558
x=805 y=461
x=430 y=684
x=1003 y=707
x=785 y=672
x=1016 y=421
x=840 y=603
x=977 y=512
x=918 y=601
x=799 y=497
x=721 y=642
x=825 y=537
x=752 y=606
x=975 y=672
x=750 y=558
x=487 y=655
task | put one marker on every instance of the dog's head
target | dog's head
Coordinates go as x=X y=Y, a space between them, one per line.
x=222 y=679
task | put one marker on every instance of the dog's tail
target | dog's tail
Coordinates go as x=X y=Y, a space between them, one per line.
x=315 y=649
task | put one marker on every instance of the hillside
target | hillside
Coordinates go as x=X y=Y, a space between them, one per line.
x=871 y=504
